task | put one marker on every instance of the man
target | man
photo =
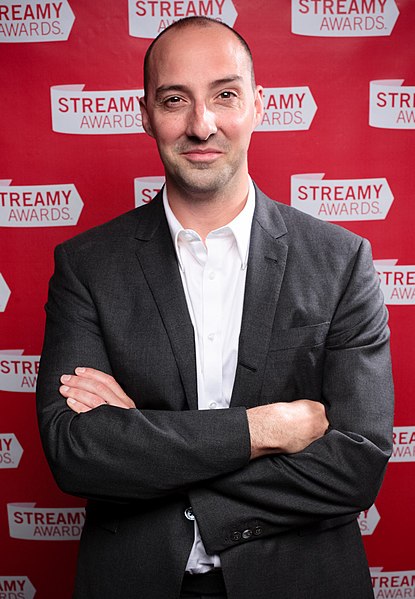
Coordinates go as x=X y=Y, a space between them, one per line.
x=213 y=296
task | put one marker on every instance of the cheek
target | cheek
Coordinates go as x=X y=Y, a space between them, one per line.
x=168 y=133
x=239 y=127
x=239 y=134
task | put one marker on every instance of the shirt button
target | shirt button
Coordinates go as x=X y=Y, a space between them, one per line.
x=212 y=275
x=247 y=533
x=211 y=336
x=212 y=405
x=236 y=536
x=188 y=512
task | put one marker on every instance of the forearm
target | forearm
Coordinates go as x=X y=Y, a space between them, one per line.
x=337 y=476
x=285 y=427
x=124 y=455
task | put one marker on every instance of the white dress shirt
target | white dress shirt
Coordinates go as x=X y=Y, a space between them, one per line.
x=213 y=276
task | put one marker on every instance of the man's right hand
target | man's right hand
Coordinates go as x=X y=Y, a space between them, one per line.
x=285 y=427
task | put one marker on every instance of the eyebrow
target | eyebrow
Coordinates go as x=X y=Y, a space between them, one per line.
x=183 y=88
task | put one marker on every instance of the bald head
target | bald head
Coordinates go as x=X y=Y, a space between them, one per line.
x=197 y=23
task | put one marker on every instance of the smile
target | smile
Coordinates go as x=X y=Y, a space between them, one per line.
x=206 y=155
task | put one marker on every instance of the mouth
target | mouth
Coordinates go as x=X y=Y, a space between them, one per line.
x=199 y=155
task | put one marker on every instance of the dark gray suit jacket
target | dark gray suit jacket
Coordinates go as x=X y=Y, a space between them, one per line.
x=314 y=326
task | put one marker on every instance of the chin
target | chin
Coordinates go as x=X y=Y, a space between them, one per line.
x=201 y=182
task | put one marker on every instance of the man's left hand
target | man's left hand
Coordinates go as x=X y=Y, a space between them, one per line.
x=89 y=388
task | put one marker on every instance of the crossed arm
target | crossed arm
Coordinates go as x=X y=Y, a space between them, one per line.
x=274 y=428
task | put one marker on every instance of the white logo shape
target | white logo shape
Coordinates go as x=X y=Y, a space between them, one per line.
x=147 y=18
x=287 y=109
x=368 y=520
x=343 y=18
x=4 y=293
x=392 y=105
x=145 y=188
x=396 y=584
x=18 y=372
x=341 y=199
x=403 y=444
x=45 y=524
x=39 y=205
x=95 y=112
x=16 y=587
x=10 y=451
x=40 y=21
x=396 y=282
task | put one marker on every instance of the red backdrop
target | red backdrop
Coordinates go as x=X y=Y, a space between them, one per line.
x=75 y=157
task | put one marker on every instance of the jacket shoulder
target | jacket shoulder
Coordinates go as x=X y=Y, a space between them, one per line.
x=120 y=229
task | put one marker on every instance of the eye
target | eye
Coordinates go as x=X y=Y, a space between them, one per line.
x=227 y=95
x=172 y=100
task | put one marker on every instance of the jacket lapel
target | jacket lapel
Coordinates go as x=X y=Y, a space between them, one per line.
x=266 y=266
x=156 y=254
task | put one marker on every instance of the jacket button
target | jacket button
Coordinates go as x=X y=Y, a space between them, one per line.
x=257 y=530
x=236 y=536
x=188 y=512
x=247 y=533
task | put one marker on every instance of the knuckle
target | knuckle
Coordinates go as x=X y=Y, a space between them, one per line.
x=100 y=388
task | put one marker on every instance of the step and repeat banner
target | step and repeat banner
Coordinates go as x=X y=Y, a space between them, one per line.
x=337 y=141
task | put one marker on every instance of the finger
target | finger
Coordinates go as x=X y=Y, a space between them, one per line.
x=101 y=377
x=77 y=407
x=97 y=387
x=94 y=387
x=81 y=396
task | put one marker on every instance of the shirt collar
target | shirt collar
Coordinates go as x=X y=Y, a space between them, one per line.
x=240 y=226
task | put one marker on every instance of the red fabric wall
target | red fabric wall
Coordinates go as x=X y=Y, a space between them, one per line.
x=70 y=159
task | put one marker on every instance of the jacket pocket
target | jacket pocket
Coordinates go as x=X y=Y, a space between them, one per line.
x=294 y=364
x=308 y=336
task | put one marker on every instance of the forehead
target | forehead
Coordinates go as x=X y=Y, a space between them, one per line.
x=197 y=54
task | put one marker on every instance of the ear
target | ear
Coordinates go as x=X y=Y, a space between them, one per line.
x=259 y=104
x=145 y=117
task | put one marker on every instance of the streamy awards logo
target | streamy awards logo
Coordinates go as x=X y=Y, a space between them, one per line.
x=26 y=521
x=4 y=293
x=10 y=451
x=18 y=373
x=391 y=104
x=341 y=199
x=30 y=21
x=343 y=18
x=403 y=444
x=147 y=18
x=39 y=205
x=95 y=112
x=287 y=109
x=393 y=584
x=396 y=282
x=145 y=188
x=16 y=587
x=368 y=520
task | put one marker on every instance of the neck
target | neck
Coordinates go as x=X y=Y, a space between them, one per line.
x=206 y=212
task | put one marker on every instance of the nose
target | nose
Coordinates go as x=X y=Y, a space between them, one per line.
x=201 y=122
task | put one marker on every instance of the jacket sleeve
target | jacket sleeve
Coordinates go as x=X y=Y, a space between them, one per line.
x=111 y=453
x=339 y=475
